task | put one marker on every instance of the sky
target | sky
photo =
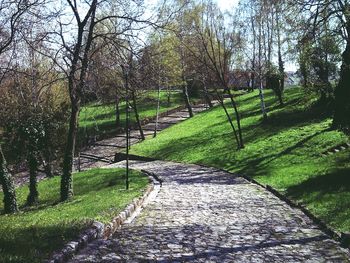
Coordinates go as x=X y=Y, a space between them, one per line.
x=226 y=5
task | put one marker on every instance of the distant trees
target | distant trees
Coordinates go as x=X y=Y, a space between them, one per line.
x=263 y=28
x=198 y=48
x=319 y=46
x=319 y=30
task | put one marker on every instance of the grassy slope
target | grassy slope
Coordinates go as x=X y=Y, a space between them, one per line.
x=284 y=152
x=32 y=235
x=97 y=119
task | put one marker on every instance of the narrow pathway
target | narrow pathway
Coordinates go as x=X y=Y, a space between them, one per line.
x=207 y=215
x=103 y=152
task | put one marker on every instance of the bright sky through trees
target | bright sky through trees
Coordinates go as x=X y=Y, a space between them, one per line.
x=226 y=5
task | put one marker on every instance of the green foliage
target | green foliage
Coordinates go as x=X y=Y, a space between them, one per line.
x=32 y=121
x=284 y=152
x=319 y=61
x=33 y=234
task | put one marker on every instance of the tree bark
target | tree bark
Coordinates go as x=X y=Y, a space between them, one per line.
x=221 y=100
x=75 y=86
x=206 y=96
x=280 y=60
x=261 y=93
x=137 y=117
x=8 y=187
x=33 y=195
x=67 y=179
x=157 y=113
x=262 y=100
x=187 y=99
x=168 y=95
x=117 y=112
x=238 y=118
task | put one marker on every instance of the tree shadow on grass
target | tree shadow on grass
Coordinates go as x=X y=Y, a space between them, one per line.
x=256 y=164
x=332 y=182
x=248 y=167
x=294 y=116
x=269 y=109
x=329 y=195
x=34 y=243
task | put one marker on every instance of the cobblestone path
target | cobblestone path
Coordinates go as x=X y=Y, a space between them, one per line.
x=206 y=215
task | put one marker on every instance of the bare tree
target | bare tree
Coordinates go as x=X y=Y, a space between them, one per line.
x=79 y=26
x=218 y=45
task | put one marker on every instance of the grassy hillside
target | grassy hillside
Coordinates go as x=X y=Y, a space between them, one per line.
x=284 y=152
x=99 y=118
x=34 y=233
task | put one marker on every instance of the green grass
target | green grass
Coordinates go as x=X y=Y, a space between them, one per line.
x=284 y=152
x=99 y=119
x=33 y=234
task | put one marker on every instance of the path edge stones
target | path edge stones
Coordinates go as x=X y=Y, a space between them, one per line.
x=99 y=230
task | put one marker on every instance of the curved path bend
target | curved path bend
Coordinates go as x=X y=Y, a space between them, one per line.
x=207 y=215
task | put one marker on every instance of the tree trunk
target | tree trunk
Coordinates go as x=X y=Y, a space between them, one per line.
x=8 y=187
x=221 y=100
x=261 y=94
x=47 y=157
x=75 y=91
x=341 y=119
x=262 y=101
x=252 y=75
x=33 y=195
x=206 y=96
x=137 y=117
x=117 y=112
x=279 y=95
x=67 y=179
x=187 y=99
x=168 y=93
x=280 y=61
x=238 y=118
x=157 y=114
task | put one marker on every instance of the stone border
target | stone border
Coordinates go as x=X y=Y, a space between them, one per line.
x=336 y=149
x=99 y=230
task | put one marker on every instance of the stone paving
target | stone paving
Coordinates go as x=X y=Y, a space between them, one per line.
x=207 y=215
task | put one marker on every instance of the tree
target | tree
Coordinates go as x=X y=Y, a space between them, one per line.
x=78 y=64
x=338 y=13
x=10 y=201
x=218 y=44
x=90 y=21
x=11 y=20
